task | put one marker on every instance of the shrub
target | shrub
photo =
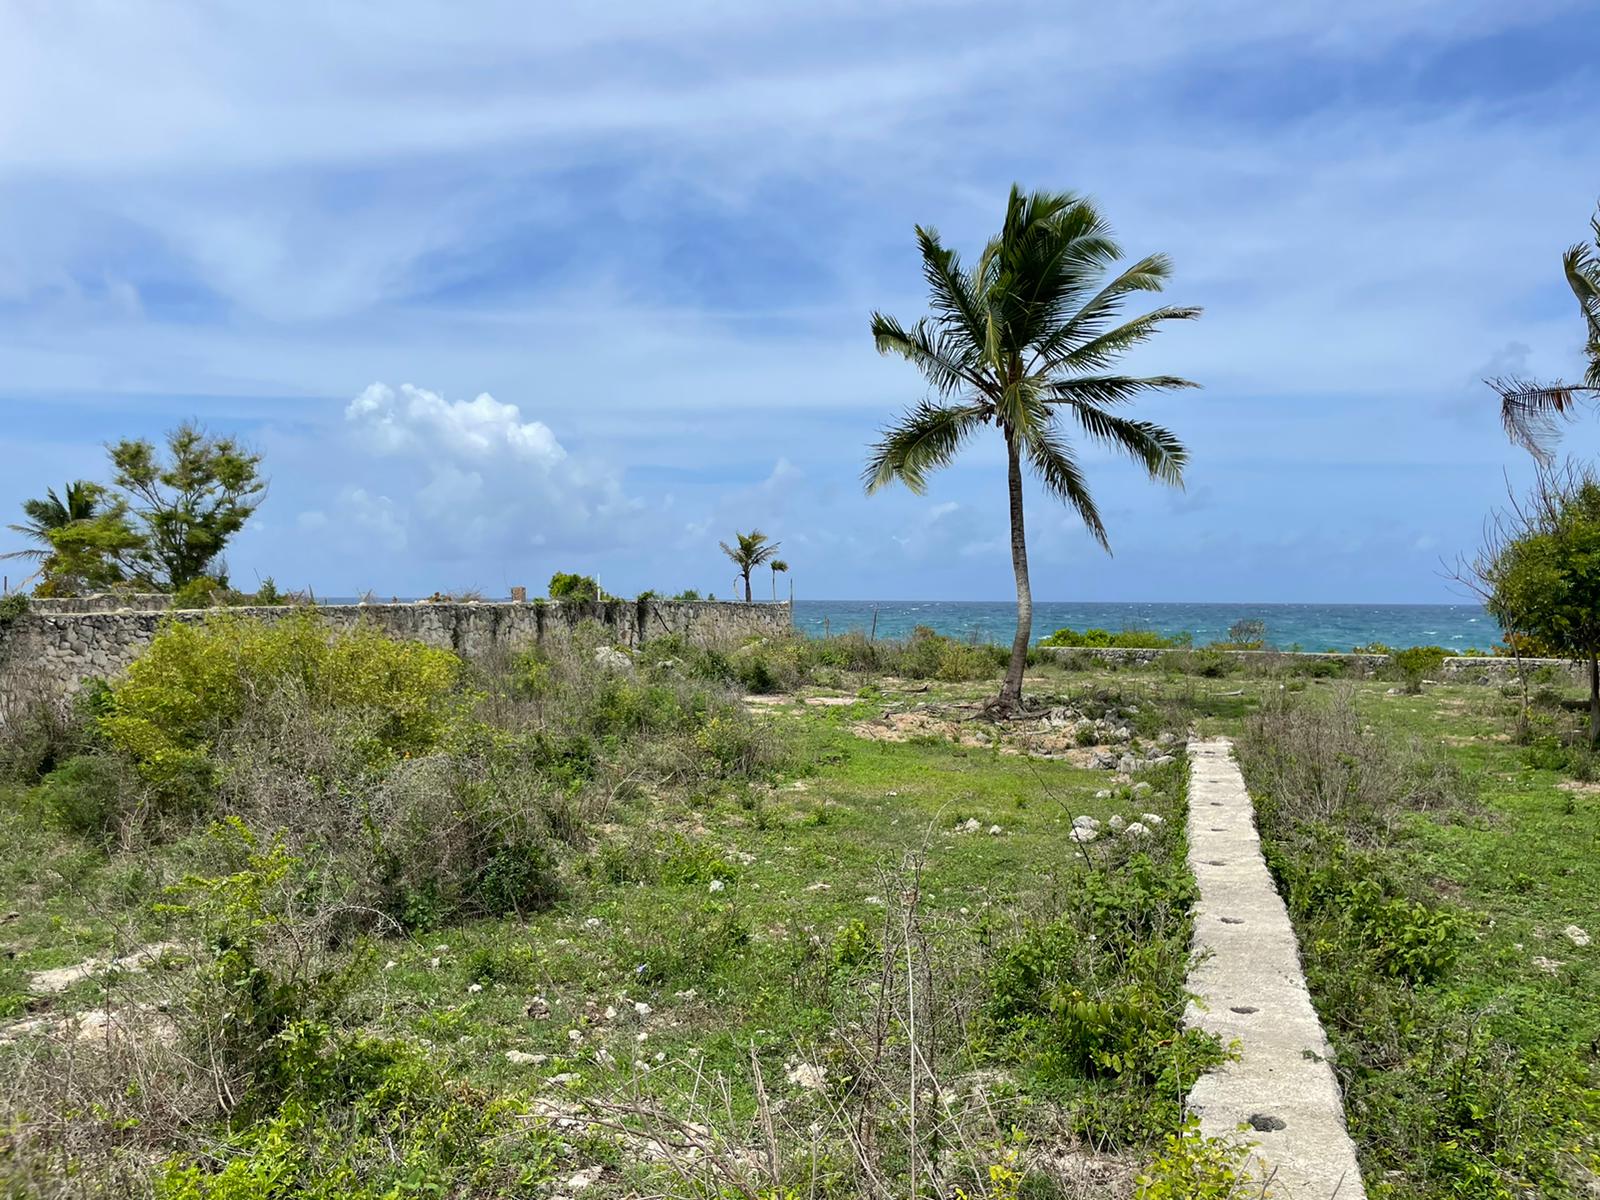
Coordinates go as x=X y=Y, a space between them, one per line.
x=194 y=681
x=259 y=973
x=90 y=795
x=1416 y=662
x=569 y=586
x=1195 y=1167
x=1129 y=639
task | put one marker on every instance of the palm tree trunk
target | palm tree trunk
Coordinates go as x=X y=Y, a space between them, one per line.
x=1010 y=696
x=747 y=597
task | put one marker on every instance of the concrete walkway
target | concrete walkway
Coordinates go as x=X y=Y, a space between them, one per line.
x=1251 y=990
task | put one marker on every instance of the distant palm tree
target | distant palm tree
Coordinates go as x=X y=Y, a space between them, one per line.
x=777 y=565
x=753 y=550
x=1530 y=410
x=1028 y=334
x=81 y=502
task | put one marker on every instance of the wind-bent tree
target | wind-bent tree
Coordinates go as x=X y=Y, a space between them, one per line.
x=777 y=565
x=1531 y=411
x=1541 y=574
x=752 y=550
x=1026 y=337
x=79 y=501
x=191 y=504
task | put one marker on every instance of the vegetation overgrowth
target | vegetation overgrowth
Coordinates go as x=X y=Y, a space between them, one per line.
x=387 y=922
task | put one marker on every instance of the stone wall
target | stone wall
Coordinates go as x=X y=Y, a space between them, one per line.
x=1474 y=668
x=61 y=649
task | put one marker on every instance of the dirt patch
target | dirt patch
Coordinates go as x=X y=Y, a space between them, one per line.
x=1059 y=733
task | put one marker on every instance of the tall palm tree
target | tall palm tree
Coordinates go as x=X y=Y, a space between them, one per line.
x=1027 y=336
x=1531 y=410
x=80 y=501
x=777 y=565
x=752 y=550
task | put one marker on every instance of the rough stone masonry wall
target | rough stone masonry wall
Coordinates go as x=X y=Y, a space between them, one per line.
x=59 y=650
x=1466 y=668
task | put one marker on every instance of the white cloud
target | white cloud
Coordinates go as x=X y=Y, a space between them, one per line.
x=452 y=480
x=480 y=429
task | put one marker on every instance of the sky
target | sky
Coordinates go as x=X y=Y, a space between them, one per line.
x=501 y=290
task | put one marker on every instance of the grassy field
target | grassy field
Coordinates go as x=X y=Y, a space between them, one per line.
x=832 y=938
x=779 y=943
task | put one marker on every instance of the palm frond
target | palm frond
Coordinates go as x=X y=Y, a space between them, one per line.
x=1079 y=345
x=1051 y=459
x=939 y=357
x=1162 y=454
x=952 y=293
x=924 y=439
x=1532 y=412
x=1100 y=390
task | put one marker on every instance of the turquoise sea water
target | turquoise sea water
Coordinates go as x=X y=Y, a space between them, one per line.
x=1306 y=626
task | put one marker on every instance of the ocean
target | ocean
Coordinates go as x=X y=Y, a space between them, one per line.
x=1288 y=626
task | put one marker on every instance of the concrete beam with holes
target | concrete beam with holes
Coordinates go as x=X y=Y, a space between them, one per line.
x=1251 y=991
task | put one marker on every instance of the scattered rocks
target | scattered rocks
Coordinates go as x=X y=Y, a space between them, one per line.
x=1136 y=830
x=1154 y=820
x=1576 y=935
x=609 y=658
x=808 y=1076
x=61 y=978
x=1117 y=823
x=1083 y=835
x=1548 y=965
x=521 y=1058
x=1086 y=822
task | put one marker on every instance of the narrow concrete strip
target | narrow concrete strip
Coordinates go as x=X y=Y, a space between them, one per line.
x=1251 y=990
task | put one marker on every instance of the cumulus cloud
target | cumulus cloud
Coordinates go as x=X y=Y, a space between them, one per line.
x=481 y=429
x=464 y=479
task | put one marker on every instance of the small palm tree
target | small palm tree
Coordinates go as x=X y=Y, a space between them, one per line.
x=753 y=550
x=1025 y=337
x=1530 y=410
x=80 y=501
x=777 y=565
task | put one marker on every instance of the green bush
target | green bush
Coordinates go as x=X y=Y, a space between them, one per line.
x=1415 y=663
x=195 y=680
x=1192 y=1166
x=89 y=795
x=569 y=586
x=367 y=1119
x=1096 y=997
x=1125 y=639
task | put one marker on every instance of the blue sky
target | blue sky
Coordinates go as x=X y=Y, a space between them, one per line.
x=499 y=291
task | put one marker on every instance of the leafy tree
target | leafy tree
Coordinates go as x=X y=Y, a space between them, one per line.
x=752 y=550
x=1029 y=335
x=191 y=504
x=96 y=552
x=777 y=565
x=1530 y=410
x=1543 y=580
x=570 y=586
x=79 y=501
x=1247 y=633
